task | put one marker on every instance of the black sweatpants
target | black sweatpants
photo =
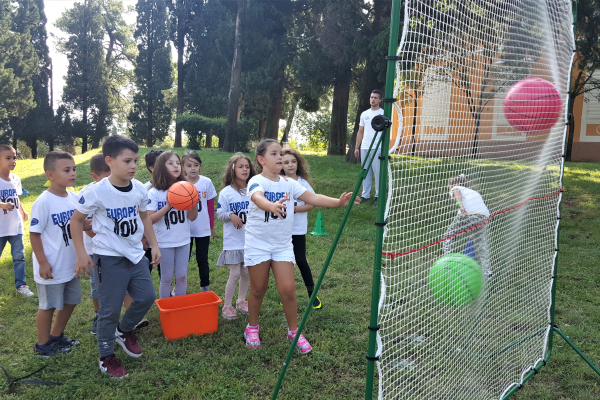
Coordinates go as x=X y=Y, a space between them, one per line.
x=299 y=242
x=202 y=244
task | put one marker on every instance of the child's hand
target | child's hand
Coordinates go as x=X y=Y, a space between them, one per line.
x=213 y=233
x=345 y=199
x=236 y=221
x=145 y=244
x=46 y=270
x=462 y=209
x=278 y=208
x=155 y=257
x=7 y=206
x=24 y=216
x=83 y=266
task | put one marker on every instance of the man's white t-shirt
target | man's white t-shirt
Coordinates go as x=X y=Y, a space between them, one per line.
x=11 y=222
x=88 y=242
x=471 y=201
x=173 y=229
x=265 y=231
x=301 y=218
x=200 y=227
x=365 y=121
x=117 y=223
x=233 y=202
x=51 y=217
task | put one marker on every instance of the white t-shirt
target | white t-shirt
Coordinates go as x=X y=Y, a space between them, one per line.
x=11 y=222
x=232 y=202
x=147 y=185
x=88 y=242
x=265 y=231
x=117 y=223
x=173 y=230
x=301 y=218
x=51 y=217
x=471 y=201
x=365 y=120
x=200 y=227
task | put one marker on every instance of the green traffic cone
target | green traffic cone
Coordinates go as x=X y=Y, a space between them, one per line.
x=319 y=227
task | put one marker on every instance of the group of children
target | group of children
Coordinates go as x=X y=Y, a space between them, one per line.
x=117 y=229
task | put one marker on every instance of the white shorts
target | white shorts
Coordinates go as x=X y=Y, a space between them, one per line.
x=256 y=256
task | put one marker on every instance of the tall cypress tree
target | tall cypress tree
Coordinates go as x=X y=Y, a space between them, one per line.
x=85 y=88
x=38 y=123
x=150 y=117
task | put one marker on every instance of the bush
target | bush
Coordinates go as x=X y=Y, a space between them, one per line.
x=196 y=125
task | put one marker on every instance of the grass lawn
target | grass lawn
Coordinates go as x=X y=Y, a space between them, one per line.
x=218 y=366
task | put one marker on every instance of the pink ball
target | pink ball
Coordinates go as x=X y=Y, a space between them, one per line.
x=532 y=105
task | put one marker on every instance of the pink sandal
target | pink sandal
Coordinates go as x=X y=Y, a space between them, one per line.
x=302 y=344
x=251 y=336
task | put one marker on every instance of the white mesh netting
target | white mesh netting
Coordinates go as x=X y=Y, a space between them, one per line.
x=458 y=60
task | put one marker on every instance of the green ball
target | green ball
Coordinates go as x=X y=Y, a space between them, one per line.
x=455 y=279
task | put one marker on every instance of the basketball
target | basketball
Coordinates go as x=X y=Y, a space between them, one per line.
x=532 y=105
x=455 y=279
x=182 y=195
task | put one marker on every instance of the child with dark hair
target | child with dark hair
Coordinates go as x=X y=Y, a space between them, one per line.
x=171 y=226
x=12 y=216
x=119 y=206
x=150 y=159
x=54 y=258
x=203 y=228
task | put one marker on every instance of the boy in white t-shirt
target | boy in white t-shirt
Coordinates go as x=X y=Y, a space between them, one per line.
x=54 y=255
x=12 y=216
x=472 y=216
x=363 y=141
x=118 y=205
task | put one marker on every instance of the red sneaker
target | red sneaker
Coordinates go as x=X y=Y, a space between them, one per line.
x=113 y=367
x=129 y=343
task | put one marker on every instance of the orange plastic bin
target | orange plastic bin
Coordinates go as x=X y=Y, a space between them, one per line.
x=191 y=314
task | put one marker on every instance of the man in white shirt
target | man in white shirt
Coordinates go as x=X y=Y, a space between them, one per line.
x=363 y=141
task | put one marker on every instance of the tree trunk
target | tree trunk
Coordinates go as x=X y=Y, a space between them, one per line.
x=235 y=83
x=180 y=70
x=289 y=122
x=32 y=144
x=571 y=130
x=262 y=125
x=209 y=137
x=50 y=142
x=369 y=79
x=339 y=113
x=84 y=119
x=274 y=112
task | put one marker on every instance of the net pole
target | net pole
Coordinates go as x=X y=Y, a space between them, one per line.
x=366 y=164
x=382 y=198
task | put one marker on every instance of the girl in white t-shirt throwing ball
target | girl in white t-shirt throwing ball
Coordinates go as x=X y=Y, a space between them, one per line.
x=268 y=244
x=171 y=226
x=232 y=210
x=295 y=167
x=472 y=213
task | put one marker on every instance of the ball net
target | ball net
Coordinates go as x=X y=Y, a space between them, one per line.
x=457 y=61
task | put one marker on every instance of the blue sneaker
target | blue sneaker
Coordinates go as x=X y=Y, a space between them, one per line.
x=50 y=349
x=64 y=341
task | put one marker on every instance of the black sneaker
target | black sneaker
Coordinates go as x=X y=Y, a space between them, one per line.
x=64 y=341
x=94 y=328
x=317 y=303
x=50 y=349
x=364 y=199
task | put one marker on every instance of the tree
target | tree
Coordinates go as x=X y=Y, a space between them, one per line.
x=150 y=117
x=37 y=124
x=86 y=81
x=18 y=64
x=587 y=59
x=235 y=83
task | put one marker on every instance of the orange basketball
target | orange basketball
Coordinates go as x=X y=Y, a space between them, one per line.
x=182 y=195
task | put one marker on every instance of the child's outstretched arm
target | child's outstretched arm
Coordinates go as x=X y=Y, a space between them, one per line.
x=277 y=208
x=320 y=200
x=457 y=196
x=84 y=262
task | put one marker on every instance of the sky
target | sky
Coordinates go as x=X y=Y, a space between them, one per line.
x=54 y=9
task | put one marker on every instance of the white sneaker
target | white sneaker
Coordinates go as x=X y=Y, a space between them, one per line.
x=24 y=290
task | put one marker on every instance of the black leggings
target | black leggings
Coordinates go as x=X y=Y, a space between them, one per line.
x=299 y=242
x=148 y=255
x=202 y=244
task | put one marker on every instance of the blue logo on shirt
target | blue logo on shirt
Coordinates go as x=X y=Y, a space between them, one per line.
x=149 y=201
x=254 y=186
x=366 y=118
x=81 y=200
x=218 y=205
x=34 y=222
